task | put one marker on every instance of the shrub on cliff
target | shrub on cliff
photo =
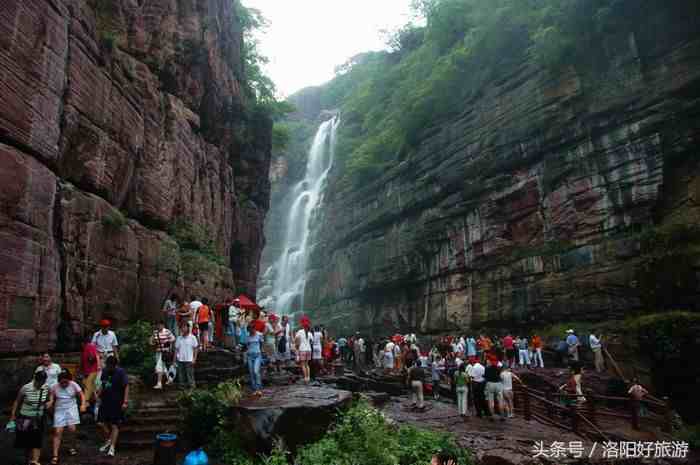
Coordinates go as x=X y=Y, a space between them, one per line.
x=135 y=351
x=114 y=219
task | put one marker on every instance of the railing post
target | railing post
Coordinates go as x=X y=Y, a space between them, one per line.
x=668 y=416
x=592 y=409
x=635 y=413
x=528 y=413
x=573 y=409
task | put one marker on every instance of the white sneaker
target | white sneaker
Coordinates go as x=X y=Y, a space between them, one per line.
x=158 y=386
x=111 y=451
x=106 y=446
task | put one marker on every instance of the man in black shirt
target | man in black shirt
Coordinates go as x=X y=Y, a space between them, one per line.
x=494 y=387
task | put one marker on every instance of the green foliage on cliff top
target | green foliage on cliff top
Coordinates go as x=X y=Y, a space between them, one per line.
x=389 y=99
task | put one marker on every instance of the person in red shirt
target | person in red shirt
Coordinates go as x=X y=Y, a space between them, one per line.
x=202 y=318
x=90 y=364
x=509 y=349
x=536 y=342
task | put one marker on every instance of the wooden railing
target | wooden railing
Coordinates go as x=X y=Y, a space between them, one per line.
x=586 y=417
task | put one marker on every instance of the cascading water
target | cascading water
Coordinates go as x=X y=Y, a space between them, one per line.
x=290 y=268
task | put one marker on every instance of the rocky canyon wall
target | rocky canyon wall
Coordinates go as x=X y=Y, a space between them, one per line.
x=531 y=206
x=131 y=163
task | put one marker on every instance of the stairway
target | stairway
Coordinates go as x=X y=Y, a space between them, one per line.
x=157 y=410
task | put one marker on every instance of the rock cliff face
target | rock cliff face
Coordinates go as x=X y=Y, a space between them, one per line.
x=528 y=207
x=122 y=123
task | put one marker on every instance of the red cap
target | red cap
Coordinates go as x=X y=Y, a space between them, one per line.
x=104 y=323
x=305 y=322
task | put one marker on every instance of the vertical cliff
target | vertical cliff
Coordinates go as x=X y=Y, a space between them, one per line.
x=132 y=163
x=547 y=197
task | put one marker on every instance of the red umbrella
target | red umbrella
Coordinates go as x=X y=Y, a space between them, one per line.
x=244 y=302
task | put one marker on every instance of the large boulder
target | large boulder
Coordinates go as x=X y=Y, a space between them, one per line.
x=296 y=414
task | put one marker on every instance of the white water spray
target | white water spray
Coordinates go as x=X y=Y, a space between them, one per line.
x=307 y=195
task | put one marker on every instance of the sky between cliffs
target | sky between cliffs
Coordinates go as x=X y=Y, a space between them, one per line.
x=307 y=39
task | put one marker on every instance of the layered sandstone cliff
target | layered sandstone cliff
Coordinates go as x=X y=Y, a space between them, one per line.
x=124 y=130
x=531 y=206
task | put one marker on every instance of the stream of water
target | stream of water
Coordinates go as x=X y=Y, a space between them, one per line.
x=288 y=273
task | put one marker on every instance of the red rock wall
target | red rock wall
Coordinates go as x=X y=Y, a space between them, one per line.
x=121 y=105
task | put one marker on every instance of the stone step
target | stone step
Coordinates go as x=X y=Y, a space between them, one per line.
x=141 y=418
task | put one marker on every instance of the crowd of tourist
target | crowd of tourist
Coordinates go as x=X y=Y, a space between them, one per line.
x=477 y=370
x=53 y=398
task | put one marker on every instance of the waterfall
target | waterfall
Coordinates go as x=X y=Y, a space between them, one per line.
x=286 y=295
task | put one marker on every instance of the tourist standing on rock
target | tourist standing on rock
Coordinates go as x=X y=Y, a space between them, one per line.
x=494 y=388
x=479 y=385
x=161 y=340
x=398 y=359
x=106 y=341
x=388 y=358
x=509 y=347
x=51 y=369
x=114 y=400
x=317 y=352
x=203 y=317
x=461 y=381
x=343 y=347
x=523 y=353
x=186 y=346
x=597 y=348
x=254 y=355
x=537 y=360
x=573 y=344
x=89 y=368
x=303 y=341
x=471 y=347
x=507 y=377
x=28 y=414
x=288 y=340
x=359 y=349
x=170 y=313
x=436 y=369
x=67 y=401
x=269 y=346
x=233 y=314
x=414 y=378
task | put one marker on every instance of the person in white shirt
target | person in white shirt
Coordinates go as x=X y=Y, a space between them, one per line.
x=479 y=384
x=106 y=342
x=161 y=340
x=597 y=348
x=195 y=304
x=389 y=356
x=51 y=369
x=359 y=349
x=67 y=401
x=304 y=345
x=186 y=356
x=507 y=377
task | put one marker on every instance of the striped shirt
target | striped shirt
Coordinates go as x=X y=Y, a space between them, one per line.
x=162 y=339
x=33 y=400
